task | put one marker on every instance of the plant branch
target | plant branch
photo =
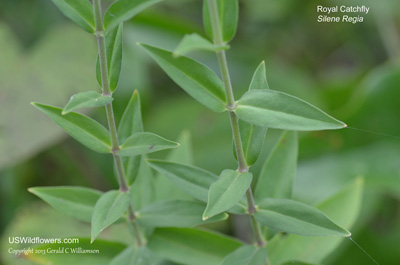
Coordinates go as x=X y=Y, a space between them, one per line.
x=123 y=185
x=223 y=64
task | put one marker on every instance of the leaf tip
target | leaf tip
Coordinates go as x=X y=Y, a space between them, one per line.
x=344 y=125
x=205 y=218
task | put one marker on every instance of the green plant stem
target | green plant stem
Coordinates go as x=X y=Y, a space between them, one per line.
x=223 y=64
x=123 y=185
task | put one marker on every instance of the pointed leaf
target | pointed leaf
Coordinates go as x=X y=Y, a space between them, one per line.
x=131 y=122
x=83 y=129
x=114 y=57
x=77 y=202
x=144 y=143
x=278 y=171
x=132 y=256
x=297 y=218
x=191 y=246
x=123 y=10
x=228 y=18
x=175 y=213
x=109 y=208
x=80 y=12
x=183 y=154
x=195 y=42
x=87 y=99
x=247 y=255
x=195 y=78
x=278 y=110
x=344 y=207
x=143 y=191
x=192 y=180
x=226 y=192
x=253 y=136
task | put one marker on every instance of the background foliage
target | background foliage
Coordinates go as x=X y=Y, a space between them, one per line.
x=350 y=71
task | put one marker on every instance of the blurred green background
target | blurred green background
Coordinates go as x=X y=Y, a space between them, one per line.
x=351 y=71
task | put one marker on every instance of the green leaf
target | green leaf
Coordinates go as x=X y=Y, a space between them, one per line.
x=226 y=192
x=123 y=10
x=253 y=136
x=77 y=202
x=142 y=189
x=87 y=99
x=278 y=110
x=131 y=123
x=195 y=42
x=132 y=256
x=191 y=246
x=80 y=12
x=109 y=208
x=247 y=255
x=278 y=171
x=114 y=57
x=228 y=11
x=175 y=213
x=344 y=207
x=102 y=253
x=83 y=129
x=144 y=143
x=193 y=180
x=296 y=218
x=195 y=78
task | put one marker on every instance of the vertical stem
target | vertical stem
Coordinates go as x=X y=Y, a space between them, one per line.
x=123 y=185
x=223 y=64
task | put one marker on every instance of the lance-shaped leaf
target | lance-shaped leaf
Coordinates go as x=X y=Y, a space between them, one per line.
x=131 y=123
x=195 y=42
x=297 y=218
x=132 y=256
x=82 y=128
x=175 y=213
x=191 y=246
x=80 y=12
x=195 y=78
x=114 y=57
x=278 y=171
x=228 y=11
x=226 y=192
x=77 y=202
x=247 y=255
x=144 y=143
x=278 y=110
x=253 y=136
x=109 y=208
x=193 y=180
x=87 y=99
x=123 y=10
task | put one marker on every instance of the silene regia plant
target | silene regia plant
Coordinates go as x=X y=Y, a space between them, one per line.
x=162 y=227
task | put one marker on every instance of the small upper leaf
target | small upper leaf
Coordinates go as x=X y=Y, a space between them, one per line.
x=253 y=136
x=86 y=100
x=278 y=171
x=131 y=123
x=296 y=218
x=80 y=12
x=114 y=57
x=175 y=213
x=123 y=10
x=109 y=208
x=246 y=255
x=193 y=180
x=195 y=42
x=228 y=12
x=77 y=202
x=84 y=129
x=195 y=78
x=144 y=143
x=226 y=192
x=278 y=110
